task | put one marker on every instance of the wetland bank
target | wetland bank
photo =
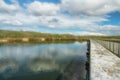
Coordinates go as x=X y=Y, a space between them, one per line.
x=42 y=56
x=39 y=56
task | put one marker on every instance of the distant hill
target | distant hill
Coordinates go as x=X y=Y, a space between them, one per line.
x=30 y=34
x=11 y=36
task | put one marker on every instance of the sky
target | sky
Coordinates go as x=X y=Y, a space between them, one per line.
x=77 y=17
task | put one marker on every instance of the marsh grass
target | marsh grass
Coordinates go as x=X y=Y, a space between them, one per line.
x=28 y=36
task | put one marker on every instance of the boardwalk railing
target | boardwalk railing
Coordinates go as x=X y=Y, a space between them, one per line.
x=111 y=45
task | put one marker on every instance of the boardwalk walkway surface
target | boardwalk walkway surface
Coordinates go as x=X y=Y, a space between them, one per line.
x=104 y=64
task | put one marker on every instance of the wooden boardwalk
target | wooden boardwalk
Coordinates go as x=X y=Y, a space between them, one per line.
x=104 y=64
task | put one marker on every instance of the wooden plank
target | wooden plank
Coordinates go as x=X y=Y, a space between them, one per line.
x=104 y=64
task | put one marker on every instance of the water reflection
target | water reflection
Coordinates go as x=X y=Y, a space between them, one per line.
x=39 y=64
x=7 y=65
x=19 y=59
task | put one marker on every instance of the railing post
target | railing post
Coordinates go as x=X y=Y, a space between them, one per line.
x=119 y=50
x=111 y=45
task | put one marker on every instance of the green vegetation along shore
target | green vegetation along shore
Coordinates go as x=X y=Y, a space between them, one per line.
x=28 y=36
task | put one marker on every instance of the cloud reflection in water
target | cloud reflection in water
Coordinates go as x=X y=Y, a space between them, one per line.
x=15 y=58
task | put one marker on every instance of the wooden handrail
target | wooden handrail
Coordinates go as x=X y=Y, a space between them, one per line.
x=111 y=45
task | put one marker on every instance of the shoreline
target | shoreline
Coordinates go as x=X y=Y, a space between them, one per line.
x=28 y=40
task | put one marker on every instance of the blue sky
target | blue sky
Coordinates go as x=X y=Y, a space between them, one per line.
x=96 y=17
x=22 y=2
x=114 y=19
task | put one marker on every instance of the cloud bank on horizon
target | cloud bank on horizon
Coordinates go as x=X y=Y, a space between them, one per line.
x=79 y=17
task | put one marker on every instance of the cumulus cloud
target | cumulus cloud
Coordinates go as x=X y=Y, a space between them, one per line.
x=85 y=15
x=89 y=33
x=5 y=8
x=88 y=7
x=110 y=27
x=43 y=8
x=18 y=19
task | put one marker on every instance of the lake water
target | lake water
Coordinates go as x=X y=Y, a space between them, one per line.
x=36 y=61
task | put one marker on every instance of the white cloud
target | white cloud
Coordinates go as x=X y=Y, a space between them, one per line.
x=91 y=7
x=49 y=15
x=5 y=8
x=85 y=33
x=110 y=27
x=91 y=33
x=40 y=8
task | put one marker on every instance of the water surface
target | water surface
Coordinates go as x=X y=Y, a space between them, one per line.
x=29 y=61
